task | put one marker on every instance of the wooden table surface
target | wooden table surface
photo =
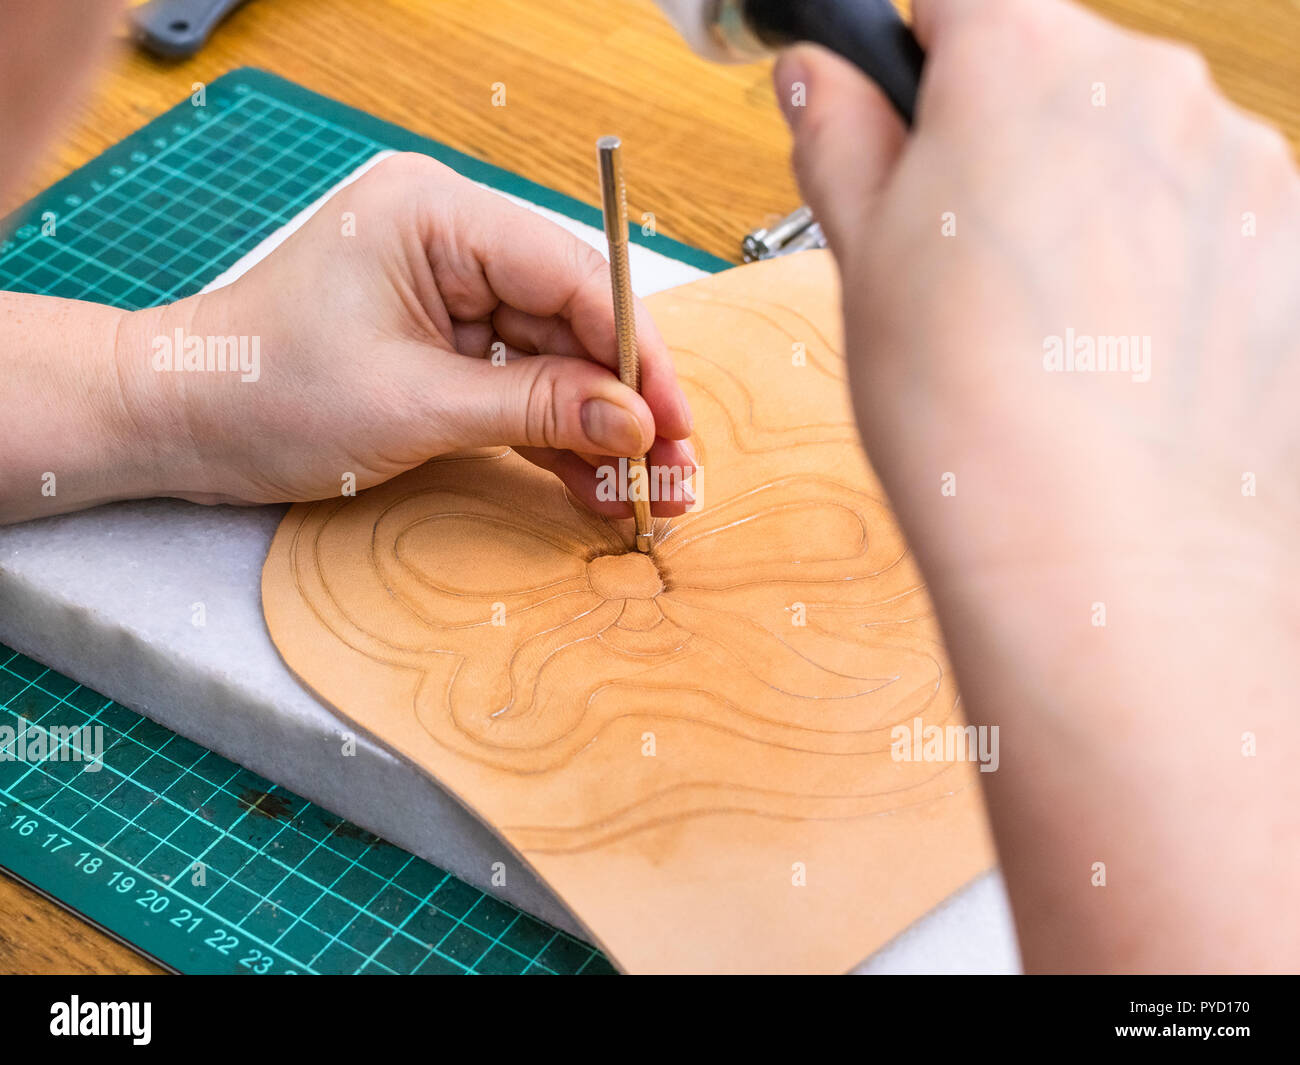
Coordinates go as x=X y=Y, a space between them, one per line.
x=706 y=151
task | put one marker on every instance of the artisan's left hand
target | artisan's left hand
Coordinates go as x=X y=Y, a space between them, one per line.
x=377 y=323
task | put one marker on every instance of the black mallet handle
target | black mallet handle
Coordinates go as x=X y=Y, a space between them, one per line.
x=869 y=33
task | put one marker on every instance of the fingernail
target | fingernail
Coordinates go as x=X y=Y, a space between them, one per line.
x=613 y=429
x=688 y=415
x=792 y=87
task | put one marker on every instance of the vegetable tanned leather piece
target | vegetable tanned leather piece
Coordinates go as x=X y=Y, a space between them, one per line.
x=693 y=749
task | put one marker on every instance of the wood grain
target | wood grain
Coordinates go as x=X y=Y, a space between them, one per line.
x=38 y=938
x=706 y=148
x=707 y=152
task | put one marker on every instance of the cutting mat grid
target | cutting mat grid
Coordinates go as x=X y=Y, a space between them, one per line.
x=179 y=202
x=185 y=206
x=287 y=886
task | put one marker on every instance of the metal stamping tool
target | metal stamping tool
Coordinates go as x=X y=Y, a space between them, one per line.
x=764 y=243
x=614 y=199
x=795 y=232
x=810 y=238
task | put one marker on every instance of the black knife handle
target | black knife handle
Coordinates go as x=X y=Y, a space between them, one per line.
x=175 y=29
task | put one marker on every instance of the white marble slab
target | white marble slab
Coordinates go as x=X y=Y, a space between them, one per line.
x=108 y=597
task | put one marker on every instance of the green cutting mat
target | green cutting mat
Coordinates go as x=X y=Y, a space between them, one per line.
x=289 y=887
x=161 y=214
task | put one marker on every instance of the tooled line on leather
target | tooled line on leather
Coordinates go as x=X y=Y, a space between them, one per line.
x=423 y=581
x=939 y=675
x=767 y=722
x=708 y=724
x=575 y=548
x=666 y=554
x=570 y=622
x=740 y=387
x=331 y=508
x=403 y=656
x=822 y=339
x=704 y=533
x=566 y=545
x=473 y=736
x=916 y=589
x=587 y=719
x=600 y=637
x=749 y=306
x=697 y=723
x=688 y=523
x=644 y=715
x=534 y=637
x=604 y=724
x=732 y=501
x=606 y=834
x=468 y=732
x=884 y=682
x=887 y=681
x=681 y=814
x=416 y=654
x=628 y=628
x=631 y=809
x=597 y=523
x=319 y=526
x=470 y=729
x=461 y=726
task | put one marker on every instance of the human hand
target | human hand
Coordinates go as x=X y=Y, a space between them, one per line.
x=1107 y=551
x=376 y=352
x=1019 y=209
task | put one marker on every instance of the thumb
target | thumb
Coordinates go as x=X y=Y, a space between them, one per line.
x=847 y=138
x=549 y=401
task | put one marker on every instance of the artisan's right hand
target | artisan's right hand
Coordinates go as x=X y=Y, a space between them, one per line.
x=1063 y=178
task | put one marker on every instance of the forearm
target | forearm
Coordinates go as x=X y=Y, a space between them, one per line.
x=83 y=422
x=1142 y=680
x=1145 y=805
x=66 y=440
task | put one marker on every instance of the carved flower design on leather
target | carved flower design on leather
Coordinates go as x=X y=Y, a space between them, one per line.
x=778 y=634
x=671 y=742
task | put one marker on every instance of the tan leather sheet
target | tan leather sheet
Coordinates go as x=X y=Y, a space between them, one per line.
x=692 y=749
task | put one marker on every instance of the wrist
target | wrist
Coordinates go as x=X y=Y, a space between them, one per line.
x=76 y=434
x=151 y=418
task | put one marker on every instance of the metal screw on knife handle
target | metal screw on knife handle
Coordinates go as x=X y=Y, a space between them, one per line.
x=811 y=238
x=614 y=199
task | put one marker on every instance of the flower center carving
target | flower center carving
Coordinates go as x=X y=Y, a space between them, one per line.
x=629 y=576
